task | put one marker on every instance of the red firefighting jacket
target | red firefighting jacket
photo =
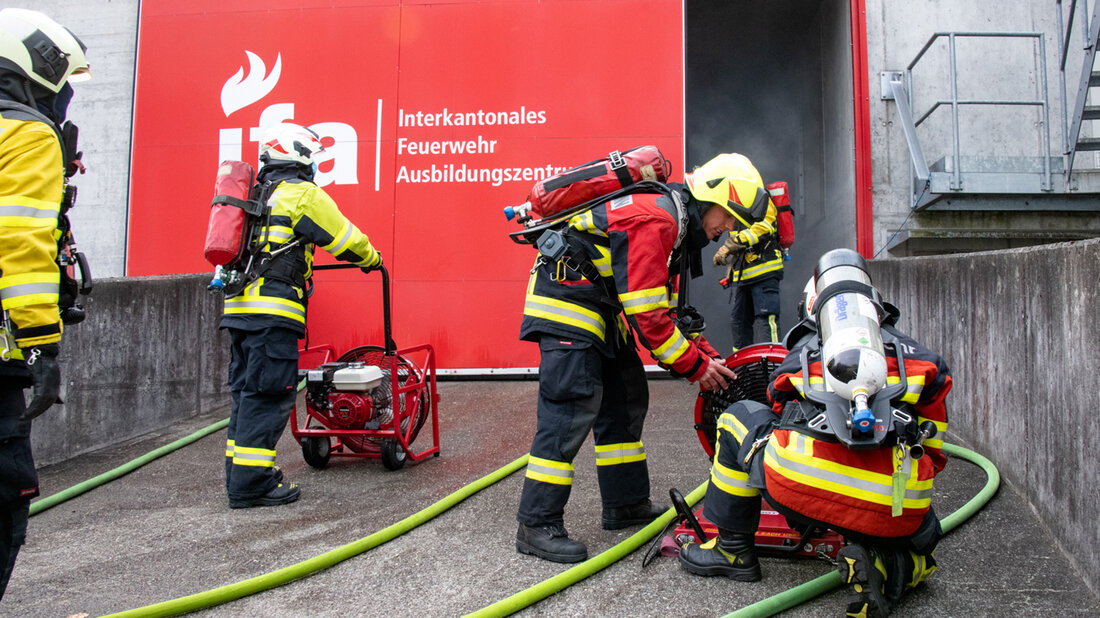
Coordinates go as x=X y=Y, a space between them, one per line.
x=631 y=241
x=852 y=489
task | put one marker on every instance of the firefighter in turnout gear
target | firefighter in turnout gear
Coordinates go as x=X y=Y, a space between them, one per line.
x=878 y=497
x=38 y=59
x=267 y=318
x=590 y=375
x=751 y=253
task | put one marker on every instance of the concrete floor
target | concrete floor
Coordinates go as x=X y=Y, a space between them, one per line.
x=165 y=531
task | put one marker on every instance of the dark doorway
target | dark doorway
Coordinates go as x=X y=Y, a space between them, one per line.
x=772 y=80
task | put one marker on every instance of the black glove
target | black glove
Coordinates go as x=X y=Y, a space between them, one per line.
x=370 y=269
x=42 y=361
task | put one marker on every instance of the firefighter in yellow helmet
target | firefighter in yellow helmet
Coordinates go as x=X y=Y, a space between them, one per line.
x=591 y=378
x=266 y=318
x=38 y=59
x=751 y=253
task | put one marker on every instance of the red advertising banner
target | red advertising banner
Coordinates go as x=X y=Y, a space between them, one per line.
x=435 y=116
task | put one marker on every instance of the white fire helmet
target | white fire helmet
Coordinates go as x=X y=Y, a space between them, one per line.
x=290 y=142
x=41 y=49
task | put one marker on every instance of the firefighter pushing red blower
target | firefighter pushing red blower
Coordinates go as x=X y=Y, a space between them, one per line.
x=261 y=238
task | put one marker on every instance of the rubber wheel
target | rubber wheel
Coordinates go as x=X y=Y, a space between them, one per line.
x=393 y=456
x=316 y=451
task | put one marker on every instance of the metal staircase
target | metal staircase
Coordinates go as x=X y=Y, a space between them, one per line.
x=982 y=181
x=1082 y=111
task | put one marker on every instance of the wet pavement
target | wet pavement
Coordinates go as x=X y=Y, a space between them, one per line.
x=165 y=531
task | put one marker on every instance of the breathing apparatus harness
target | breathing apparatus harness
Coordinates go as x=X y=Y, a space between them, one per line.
x=69 y=289
x=848 y=336
x=569 y=248
x=284 y=264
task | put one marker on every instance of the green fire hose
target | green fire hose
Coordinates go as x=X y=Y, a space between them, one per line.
x=55 y=499
x=520 y=600
x=224 y=594
x=587 y=568
x=62 y=496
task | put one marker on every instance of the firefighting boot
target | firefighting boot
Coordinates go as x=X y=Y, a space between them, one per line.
x=549 y=542
x=283 y=493
x=732 y=554
x=864 y=574
x=616 y=518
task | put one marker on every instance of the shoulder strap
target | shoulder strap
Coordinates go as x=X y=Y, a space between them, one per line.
x=66 y=134
x=25 y=112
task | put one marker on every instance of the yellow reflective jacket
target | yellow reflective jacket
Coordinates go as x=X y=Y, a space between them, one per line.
x=761 y=257
x=299 y=209
x=32 y=181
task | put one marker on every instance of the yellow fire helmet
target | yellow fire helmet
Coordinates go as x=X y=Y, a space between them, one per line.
x=731 y=181
x=41 y=49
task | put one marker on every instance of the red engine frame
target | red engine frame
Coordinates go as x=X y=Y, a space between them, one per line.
x=773 y=536
x=411 y=396
x=418 y=389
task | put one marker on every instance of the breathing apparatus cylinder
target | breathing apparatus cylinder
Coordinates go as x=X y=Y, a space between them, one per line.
x=848 y=318
x=227 y=230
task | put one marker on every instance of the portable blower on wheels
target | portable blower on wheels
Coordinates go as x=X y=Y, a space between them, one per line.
x=753 y=365
x=370 y=402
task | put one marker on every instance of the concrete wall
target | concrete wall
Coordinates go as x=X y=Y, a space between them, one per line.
x=148 y=355
x=103 y=109
x=1018 y=329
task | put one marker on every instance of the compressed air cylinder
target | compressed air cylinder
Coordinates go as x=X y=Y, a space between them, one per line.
x=853 y=359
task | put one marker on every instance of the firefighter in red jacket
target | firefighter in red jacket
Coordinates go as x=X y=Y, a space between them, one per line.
x=266 y=318
x=877 y=494
x=38 y=59
x=590 y=375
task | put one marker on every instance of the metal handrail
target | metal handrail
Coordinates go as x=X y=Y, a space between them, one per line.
x=1072 y=123
x=955 y=102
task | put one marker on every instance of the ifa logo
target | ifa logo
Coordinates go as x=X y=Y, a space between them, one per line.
x=242 y=90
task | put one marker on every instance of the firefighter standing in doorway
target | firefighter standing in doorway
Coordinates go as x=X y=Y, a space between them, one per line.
x=590 y=375
x=753 y=256
x=787 y=455
x=267 y=318
x=38 y=60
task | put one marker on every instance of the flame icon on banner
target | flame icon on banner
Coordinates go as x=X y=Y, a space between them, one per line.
x=241 y=91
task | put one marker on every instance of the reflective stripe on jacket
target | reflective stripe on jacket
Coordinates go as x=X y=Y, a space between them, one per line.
x=853 y=488
x=302 y=210
x=31 y=189
x=761 y=257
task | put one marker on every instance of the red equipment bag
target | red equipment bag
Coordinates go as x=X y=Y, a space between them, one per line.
x=227 y=231
x=781 y=197
x=590 y=180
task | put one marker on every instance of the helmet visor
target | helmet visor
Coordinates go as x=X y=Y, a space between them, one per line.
x=82 y=74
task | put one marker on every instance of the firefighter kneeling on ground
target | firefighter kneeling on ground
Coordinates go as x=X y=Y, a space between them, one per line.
x=266 y=319
x=878 y=495
x=752 y=253
x=590 y=375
